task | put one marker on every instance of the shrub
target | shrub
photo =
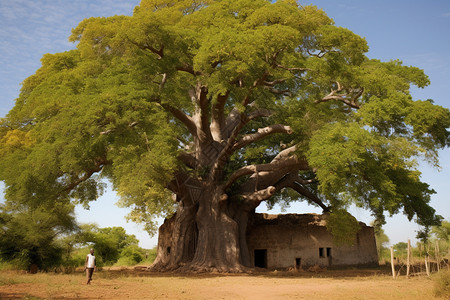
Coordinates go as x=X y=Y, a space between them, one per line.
x=131 y=254
x=442 y=284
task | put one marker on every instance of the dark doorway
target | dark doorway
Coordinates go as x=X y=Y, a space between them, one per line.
x=298 y=263
x=261 y=258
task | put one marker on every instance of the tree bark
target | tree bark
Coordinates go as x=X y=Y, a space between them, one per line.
x=176 y=240
x=203 y=237
x=218 y=235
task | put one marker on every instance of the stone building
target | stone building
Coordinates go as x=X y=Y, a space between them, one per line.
x=302 y=240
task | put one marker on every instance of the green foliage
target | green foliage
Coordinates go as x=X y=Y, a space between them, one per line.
x=131 y=255
x=442 y=232
x=108 y=243
x=401 y=246
x=382 y=240
x=343 y=226
x=30 y=235
x=76 y=258
x=401 y=249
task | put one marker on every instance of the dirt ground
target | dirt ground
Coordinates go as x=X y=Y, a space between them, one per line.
x=130 y=284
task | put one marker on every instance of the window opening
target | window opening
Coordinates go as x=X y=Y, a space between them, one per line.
x=321 y=253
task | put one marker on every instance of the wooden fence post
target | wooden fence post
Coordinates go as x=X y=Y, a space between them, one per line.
x=436 y=255
x=408 y=259
x=427 y=267
x=392 y=262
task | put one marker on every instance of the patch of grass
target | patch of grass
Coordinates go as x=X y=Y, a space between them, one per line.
x=6 y=280
x=5 y=266
x=442 y=284
x=28 y=297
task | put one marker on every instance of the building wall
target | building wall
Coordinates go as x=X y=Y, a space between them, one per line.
x=304 y=240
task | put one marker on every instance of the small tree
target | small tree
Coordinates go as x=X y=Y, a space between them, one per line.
x=382 y=240
x=442 y=232
x=400 y=249
x=131 y=255
x=30 y=235
x=442 y=235
x=108 y=242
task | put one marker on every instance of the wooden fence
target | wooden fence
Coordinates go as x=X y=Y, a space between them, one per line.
x=418 y=266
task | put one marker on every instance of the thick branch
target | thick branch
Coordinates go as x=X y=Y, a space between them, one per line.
x=203 y=100
x=189 y=69
x=259 y=113
x=218 y=118
x=267 y=177
x=274 y=82
x=200 y=100
x=257 y=197
x=280 y=164
x=163 y=81
x=285 y=153
x=185 y=119
x=226 y=151
x=98 y=166
x=159 y=52
x=262 y=133
x=235 y=118
x=294 y=181
x=308 y=194
x=188 y=159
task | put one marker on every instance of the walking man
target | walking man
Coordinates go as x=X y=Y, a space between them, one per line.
x=90 y=265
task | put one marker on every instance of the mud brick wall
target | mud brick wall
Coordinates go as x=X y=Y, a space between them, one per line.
x=302 y=240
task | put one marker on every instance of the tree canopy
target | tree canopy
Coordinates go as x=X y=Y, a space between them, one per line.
x=221 y=105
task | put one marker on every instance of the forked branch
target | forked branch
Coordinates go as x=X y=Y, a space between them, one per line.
x=348 y=96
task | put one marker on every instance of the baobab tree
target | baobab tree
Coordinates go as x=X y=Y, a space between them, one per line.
x=199 y=111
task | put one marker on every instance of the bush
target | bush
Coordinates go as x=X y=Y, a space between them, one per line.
x=77 y=258
x=151 y=255
x=442 y=284
x=131 y=255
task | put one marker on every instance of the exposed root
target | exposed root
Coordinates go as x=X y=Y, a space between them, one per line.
x=205 y=268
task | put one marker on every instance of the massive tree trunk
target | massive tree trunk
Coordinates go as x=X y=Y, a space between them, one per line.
x=218 y=235
x=202 y=237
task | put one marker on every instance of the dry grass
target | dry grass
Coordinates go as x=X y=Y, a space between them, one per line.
x=349 y=284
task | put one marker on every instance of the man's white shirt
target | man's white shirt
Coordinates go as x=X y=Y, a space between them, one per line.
x=90 y=261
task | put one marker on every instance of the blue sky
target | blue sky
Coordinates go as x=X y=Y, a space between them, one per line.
x=416 y=32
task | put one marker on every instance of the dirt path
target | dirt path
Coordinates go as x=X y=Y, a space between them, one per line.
x=107 y=285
